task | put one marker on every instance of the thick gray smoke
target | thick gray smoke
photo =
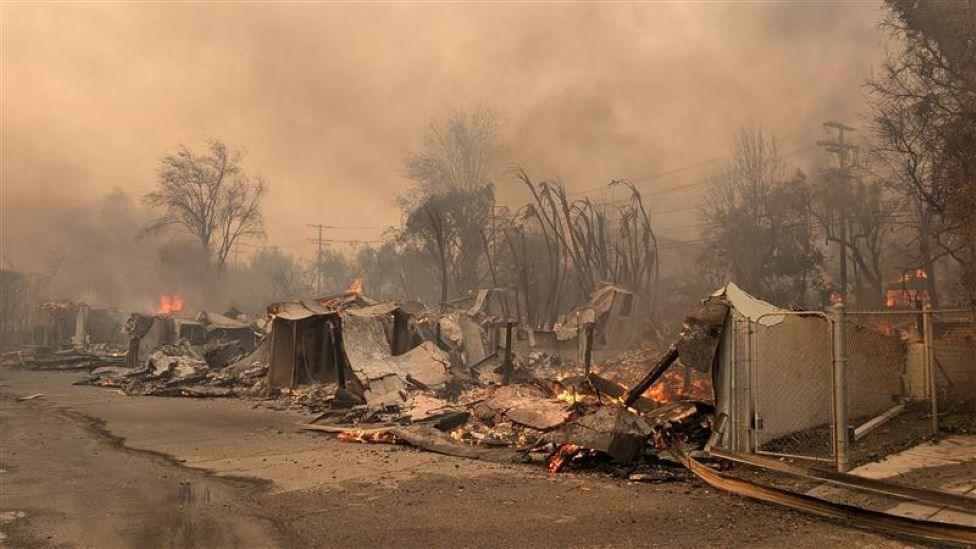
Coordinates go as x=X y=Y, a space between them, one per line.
x=327 y=97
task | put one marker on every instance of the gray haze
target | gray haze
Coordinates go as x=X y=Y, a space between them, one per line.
x=326 y=98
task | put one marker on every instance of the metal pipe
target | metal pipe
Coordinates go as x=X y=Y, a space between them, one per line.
x=930 y=364
x=792 y=456
x=733 y=390
x=840 y=389
x=753 y=412
x=900 y=312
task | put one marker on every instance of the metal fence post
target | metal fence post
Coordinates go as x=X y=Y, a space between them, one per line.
x=840 y=389
x=927 y=345
x=753 y=409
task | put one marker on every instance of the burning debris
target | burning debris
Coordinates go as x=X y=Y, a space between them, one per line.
x=570 y=454
x=169 y=303
x=619 y=415
x=458 y=383
x=563 y=418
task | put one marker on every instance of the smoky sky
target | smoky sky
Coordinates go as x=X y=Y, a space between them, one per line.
x=326 y=98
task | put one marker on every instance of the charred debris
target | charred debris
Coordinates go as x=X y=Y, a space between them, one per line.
x=465 y=382
x=468 y=382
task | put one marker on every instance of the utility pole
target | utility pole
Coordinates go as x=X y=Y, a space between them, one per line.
x=318 y=255
x=841 y=148
x=237 y=255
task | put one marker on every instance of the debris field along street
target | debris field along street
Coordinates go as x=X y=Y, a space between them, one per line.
x=320 y=376
x=343 y=274
x=127 y=460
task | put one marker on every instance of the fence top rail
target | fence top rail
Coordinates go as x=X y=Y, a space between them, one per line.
x=820 y=314
x=910 y=312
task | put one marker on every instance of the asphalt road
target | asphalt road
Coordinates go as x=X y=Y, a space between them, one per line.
x=88 y=467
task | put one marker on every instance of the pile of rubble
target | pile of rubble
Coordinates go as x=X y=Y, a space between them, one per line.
x=566 y=421
x=183 y=369
x=534 y=406
x=80 y=358
x=518 y=405
x=465 y=382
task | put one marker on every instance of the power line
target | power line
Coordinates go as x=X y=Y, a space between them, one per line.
x=674 y=171
x=679 y=227
x=659 y=175
x=686 y=168
x=673 y=210
x=684 y=244
x=354 y=241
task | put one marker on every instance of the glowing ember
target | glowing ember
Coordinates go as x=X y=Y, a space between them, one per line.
x=356 y=286
x=658 y=393
x=672 y=386
x=569 y=396
x=169 y=303
x=368 y=438
x=568 y=453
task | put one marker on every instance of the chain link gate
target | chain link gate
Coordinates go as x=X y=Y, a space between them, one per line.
x=791 y=362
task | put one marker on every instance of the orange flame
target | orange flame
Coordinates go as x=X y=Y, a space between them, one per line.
x=572 y=397
x=568 y=453
x=170 y=303
x=367 y=438
x=672 y=385
x=356 y=286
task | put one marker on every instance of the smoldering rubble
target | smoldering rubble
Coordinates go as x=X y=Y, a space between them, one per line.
x=464 y=382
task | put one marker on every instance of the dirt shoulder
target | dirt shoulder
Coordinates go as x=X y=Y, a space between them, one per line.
x=90 y=467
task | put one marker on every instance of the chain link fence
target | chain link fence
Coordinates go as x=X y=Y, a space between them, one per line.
x=910 y=375
x=887 y=383
x=792 y=359
x=893 y=379
x=954 y=369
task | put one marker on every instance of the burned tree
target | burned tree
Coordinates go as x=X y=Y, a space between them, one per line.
x=459 y=153
x=285 y=276
x=858 y=215
x=210 y=196
x=460 y=156
x=556 y=252
x=925 y=121
x=436 y=228
x=758 y=224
